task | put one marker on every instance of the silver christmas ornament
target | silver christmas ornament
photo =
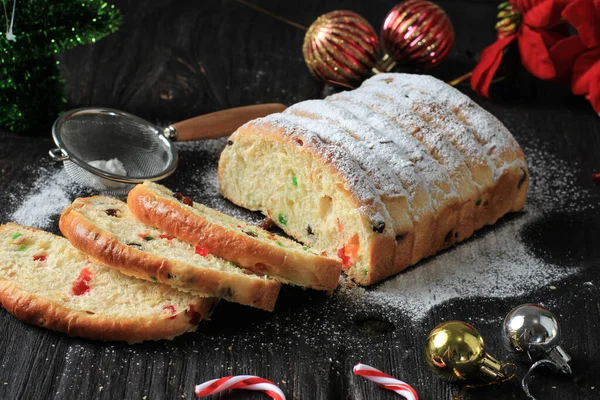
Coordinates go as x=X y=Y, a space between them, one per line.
x=533 y=330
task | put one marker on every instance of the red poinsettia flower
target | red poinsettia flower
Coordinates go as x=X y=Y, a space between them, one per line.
x=578 y=57
x=536 y=26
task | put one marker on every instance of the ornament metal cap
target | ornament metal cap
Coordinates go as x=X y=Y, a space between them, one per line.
x=533 y=330
x=455 y=352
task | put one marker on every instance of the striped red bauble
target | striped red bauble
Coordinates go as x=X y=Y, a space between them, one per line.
x=342 y=48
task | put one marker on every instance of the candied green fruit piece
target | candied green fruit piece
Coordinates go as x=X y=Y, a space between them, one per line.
x=282 y=219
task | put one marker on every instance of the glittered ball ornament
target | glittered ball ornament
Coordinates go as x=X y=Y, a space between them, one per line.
x=455 y=352
x=341 y=47
x=417 y=34
x=532 y=330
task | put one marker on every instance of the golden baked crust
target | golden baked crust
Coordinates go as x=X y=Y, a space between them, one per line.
x=38 y=303
x=408 y=150
x=233 y=240
x=103 y=246
x=42 y=312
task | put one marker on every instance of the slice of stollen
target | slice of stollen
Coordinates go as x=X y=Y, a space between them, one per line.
x=233 y=239
x=44 y=281
x=107 y=231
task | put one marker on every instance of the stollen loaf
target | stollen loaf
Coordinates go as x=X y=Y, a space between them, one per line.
x=381 y=176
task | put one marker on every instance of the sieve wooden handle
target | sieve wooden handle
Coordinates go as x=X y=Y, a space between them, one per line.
x=221 y=123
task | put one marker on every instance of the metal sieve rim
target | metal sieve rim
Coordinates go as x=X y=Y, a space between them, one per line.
x=67 y=155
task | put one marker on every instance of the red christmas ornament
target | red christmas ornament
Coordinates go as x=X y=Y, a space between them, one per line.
x=416 y=33
x=341 y=47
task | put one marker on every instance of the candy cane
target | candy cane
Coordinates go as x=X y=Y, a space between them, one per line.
x=386 y=381
x=247 y=382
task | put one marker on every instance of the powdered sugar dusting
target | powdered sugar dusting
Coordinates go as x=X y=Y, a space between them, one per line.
x=409 y=103
x=373 y=166
x=487 y=127
x=553 y=184
x=499 y=253
x=47 y=197
x=434 y=177
x=510 y=269
x=411 y=166
x=435 y=142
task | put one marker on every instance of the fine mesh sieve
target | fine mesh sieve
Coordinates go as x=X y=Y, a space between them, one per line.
x=146 y=152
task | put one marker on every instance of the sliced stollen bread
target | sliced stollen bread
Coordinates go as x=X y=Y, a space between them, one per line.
x=107 y=231
x=44 y=281
x=235 y=240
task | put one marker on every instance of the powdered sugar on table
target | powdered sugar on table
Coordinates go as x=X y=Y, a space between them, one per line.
x=44 y=199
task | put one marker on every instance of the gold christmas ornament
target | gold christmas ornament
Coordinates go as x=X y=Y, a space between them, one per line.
x=341 y=47
x=455 y=352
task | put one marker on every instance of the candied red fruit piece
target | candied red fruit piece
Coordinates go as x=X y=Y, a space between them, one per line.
x=201 y=251
x=82 y=283
x=342 y=255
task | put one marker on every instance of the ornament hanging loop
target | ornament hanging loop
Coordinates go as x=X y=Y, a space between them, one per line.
x=525 y=380
x=9 y=28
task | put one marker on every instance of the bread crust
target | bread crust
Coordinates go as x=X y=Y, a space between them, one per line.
x=104 y=248
x=42 y=312
x=177 y=219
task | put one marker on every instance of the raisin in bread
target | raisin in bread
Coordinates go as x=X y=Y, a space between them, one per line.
x=108 y=232
x=381 y=176
x=233 y=239
x=44 y=281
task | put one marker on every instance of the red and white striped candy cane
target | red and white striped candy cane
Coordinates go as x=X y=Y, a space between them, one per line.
x=247 y=382
x=385 y=381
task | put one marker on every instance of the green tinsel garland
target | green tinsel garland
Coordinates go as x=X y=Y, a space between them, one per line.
x=31 y=87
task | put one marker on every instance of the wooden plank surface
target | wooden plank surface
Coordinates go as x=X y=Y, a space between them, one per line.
x=175 y=59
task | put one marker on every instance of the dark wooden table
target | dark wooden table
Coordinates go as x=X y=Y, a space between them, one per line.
x=174 y=59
